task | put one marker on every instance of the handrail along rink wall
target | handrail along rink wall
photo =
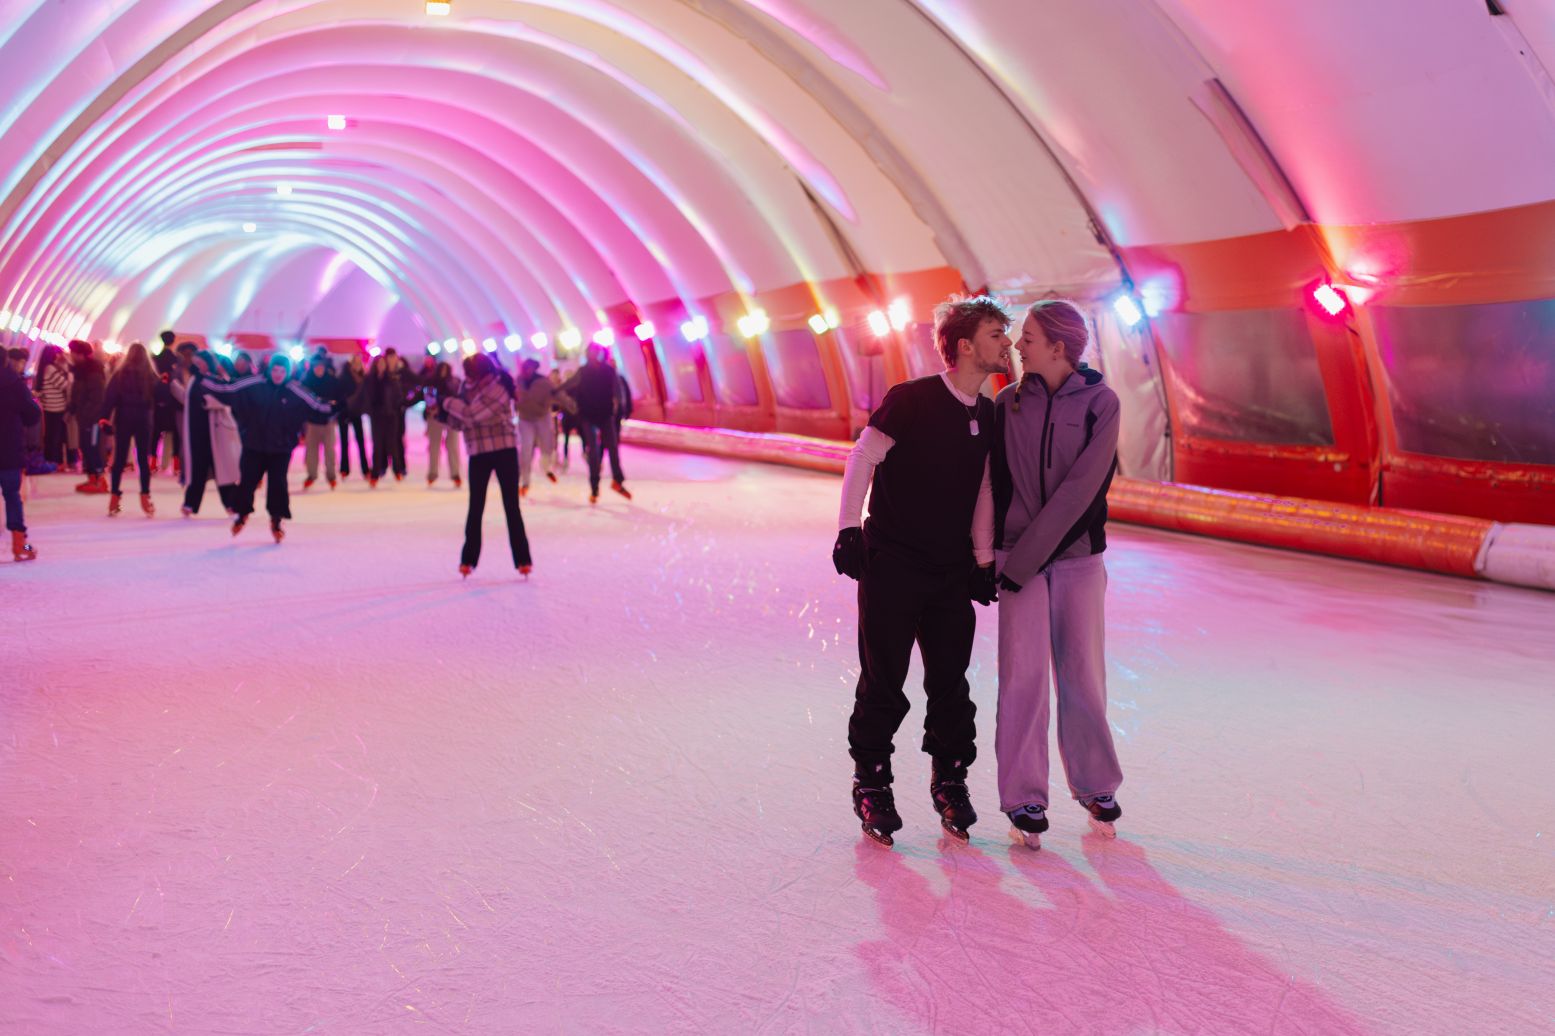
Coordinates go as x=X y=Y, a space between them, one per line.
x=1522 y=555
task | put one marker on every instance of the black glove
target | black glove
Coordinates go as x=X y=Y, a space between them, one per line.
x=1006 y=583
x=983 y=589
x=848 y=553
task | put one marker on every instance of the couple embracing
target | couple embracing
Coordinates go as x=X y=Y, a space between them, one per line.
x=1001 y=502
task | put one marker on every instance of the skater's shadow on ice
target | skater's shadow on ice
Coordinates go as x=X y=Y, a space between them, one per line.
x=1123 y=952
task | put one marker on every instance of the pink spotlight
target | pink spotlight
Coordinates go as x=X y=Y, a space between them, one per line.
x=1330 y=299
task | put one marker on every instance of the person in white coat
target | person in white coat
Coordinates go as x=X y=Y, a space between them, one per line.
x=211 y=446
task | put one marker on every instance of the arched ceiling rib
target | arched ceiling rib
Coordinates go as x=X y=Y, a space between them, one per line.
x=592 y=153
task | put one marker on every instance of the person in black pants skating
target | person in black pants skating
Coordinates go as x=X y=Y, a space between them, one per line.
x=483 y=411
x=18 y=411
x=88 y=380
x=129 y=407
x=597 y=389
x=270 y=410
x=350 y=417
x=922 y=557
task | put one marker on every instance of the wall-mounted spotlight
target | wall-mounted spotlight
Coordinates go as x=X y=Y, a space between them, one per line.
x=539 y=339
x=467 y=347
x=434 y=348
x=513 y=342
x=879 y=323
x=605 y=337
x=644 y=331
x=570 y=338
x=296 y=353
x=754 y=323
x=818 y=324
x=900 y=313
x=1127 y=310
x=1329 y=299
x=695 y=329
x=489 y=344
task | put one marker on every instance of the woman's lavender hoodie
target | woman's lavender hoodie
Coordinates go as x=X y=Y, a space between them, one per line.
x=1053 y=460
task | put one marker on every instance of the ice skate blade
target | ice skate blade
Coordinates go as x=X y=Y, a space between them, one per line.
x=880 y=838
x=1104 y=828
x=957 y=834
x=1030 y=839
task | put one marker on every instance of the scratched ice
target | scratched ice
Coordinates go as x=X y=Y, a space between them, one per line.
x=327 y=787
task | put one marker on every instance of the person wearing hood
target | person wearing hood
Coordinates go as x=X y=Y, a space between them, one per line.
x=271 y=410
x=1055 y=451
x=323 y=383
x=86 y=404
x=483 y=411
x=18 y=411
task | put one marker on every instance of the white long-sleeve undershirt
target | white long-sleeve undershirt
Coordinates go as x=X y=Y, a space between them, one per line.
x=871 y=450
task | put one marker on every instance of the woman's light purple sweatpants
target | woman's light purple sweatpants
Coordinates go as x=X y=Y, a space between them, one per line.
x=1055 y=621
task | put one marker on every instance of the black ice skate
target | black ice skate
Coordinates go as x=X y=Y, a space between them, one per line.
x=954 y=805
x=1027 y=824
x=876 y=808
x=1104 y=810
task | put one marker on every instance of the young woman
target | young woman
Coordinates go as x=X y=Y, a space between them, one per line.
x=483 y=410
x=441 y=384
x=129 y=407
x=1055 y=451
x=350 y=417
x=52 y=385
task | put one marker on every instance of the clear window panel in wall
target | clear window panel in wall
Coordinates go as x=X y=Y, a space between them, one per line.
x=678 y=358
x=733 y=379
x=798 y=378
x=632 y=367
x=866 y=370
x=922 y=357
x=1247 y=375
x=1471 y=382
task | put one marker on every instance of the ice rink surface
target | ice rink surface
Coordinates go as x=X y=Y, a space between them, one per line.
x=327 y=787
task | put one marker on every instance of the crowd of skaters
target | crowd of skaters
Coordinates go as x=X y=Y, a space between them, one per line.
x=206 y=417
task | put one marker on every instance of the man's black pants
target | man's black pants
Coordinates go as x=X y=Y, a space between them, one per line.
x=253 y=466
x=900 y=604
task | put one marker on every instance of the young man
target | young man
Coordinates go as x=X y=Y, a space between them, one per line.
x=167 y=440
x=322 y=382
x=926 y=449
x=88 y=384
x=270 y=410
x=536 y=427
x=596 y=387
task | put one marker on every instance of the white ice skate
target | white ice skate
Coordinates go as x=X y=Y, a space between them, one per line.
x=1026 y=826
x=1104 y=811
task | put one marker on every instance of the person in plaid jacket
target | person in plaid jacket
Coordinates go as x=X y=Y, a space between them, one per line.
x=483 y=411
